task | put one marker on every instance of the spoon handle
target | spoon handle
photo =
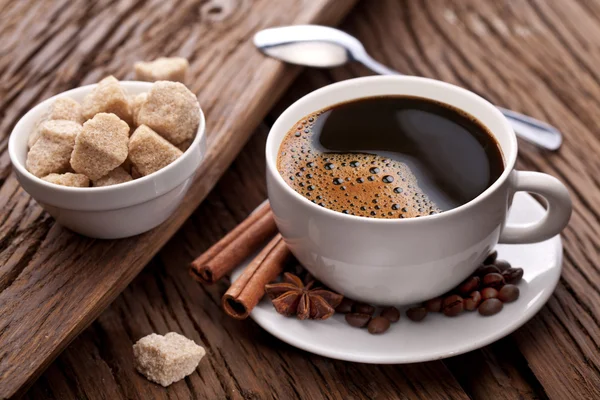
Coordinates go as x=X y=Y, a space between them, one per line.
x=528 y=128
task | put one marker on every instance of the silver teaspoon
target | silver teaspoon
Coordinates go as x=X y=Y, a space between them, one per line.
x=325 y=47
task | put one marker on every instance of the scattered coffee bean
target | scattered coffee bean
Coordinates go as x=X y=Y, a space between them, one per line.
x=345 y=306
x=493 y=280
x=378 y=325
x=452 y=305
x=391 y=313
x=502 y=265
x=486 y=269
x=491 y=258
x=416 y=313
x=469 y=285
x=434 y=305
x=490 y=307
x=472 y=302
x=363 y=308
x=513 y=275
x=358 y=320
x=508 y=293
x=489 y=293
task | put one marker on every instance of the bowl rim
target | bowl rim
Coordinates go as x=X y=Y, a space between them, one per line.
x=118 y=190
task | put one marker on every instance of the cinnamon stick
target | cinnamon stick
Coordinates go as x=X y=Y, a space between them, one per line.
x=234 y=247
x=245 y=293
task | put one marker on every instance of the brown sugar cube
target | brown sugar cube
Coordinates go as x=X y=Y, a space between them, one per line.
x=68 y=179
x=101 y=146
x=135 y=103
x=149 y=152
x=185 y=145
x=162 y=69
x=52 y=151
x=126 y=165
x=107 y=97
x=172 y=111
x=63 y=108
x=166 y=359
x=135 y=173
x=117 y=175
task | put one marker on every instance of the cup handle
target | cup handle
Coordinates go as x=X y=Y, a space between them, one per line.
x=557 y=214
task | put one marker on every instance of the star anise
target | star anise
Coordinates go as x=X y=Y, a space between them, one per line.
x=291 y=297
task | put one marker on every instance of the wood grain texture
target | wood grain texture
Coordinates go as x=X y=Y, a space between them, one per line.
x=243 y=361
x=538 y=57
x=54 y=283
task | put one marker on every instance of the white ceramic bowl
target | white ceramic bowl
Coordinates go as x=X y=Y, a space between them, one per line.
x=109 y=212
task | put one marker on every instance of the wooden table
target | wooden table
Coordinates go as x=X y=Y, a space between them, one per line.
x=537 y=57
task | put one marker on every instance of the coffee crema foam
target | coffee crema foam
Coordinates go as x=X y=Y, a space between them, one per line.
x=360 y=184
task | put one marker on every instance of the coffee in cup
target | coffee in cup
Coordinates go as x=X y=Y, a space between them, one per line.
x=390 y=157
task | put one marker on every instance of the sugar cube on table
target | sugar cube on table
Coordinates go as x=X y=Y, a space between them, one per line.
x=172 y=111
x=52 y=151
x=64 y=108
x=166 y=359
x=68 y=179
x=101 y=146
x=162 y=69
x=116 y=176
x=107 y=97
x=149 y=152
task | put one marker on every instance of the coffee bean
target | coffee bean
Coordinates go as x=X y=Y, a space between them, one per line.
x=502 y=265
x=357 y=320
x=494 y=280
x=416 y=313
x=452 y=305
x=486 y=269
x=345 y=306
x=363 y=308
x=434 y=305
x=489 y=293
x=491 y=258
x=378 y=325
x=391 y=313
x=490 y=307
x=508 y=293
x=472 y=302
x=469 y=285
x=513 y=275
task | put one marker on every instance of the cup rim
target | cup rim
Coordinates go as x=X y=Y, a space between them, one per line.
x=113 y=190
x=273 y=148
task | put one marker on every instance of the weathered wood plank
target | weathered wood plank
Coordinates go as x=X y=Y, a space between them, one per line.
x=53 y=282
x=243 y=361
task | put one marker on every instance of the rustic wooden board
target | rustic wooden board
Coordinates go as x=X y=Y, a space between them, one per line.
x=53 y=283
x=538 y=57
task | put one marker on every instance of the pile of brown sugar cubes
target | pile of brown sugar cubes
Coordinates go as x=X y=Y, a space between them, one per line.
x=113 y=137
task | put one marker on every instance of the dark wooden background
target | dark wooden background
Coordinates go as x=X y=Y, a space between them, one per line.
x=539 y=57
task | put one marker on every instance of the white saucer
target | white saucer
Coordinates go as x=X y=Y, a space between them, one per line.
x=437 y=336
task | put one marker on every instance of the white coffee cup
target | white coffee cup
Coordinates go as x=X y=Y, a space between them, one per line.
x=406 y=261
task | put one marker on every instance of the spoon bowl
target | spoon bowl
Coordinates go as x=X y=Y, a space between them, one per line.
x=308 y=45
